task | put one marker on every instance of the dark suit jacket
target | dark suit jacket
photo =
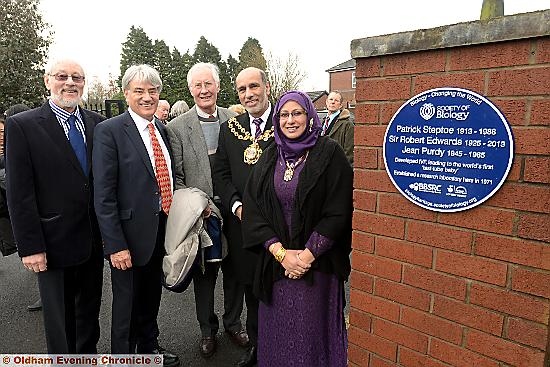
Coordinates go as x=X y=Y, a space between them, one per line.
x=125 y=188
x=230 y=175
x=50 y=198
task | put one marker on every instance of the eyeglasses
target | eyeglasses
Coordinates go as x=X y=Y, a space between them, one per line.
x=295 y=114
x=199 y=86
x=63 y=77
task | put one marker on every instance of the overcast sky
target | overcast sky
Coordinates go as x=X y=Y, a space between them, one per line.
x=318 y=32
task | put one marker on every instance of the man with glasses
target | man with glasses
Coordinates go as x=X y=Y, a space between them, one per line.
x=49 y=192
x=133 y=186
x=242 y=140
x=194 y=140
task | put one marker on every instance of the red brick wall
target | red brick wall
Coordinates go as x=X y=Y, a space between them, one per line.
x=453 y=289
x=341 y=81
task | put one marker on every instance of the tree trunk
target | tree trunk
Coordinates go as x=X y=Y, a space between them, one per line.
x=492 y=9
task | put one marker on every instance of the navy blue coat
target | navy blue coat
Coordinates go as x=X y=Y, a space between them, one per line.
x=125 y=188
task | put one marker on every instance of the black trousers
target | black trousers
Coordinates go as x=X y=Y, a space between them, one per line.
x=252 y=304
x=233 y=296
x=71 y=300
x=136 y=301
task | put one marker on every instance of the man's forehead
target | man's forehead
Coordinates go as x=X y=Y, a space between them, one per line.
x=67 y=67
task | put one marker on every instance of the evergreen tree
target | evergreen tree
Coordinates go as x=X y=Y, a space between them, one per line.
x=232 y=71
x=24 y=43
x=251 y=55
x=138 y=49
x=206 y=52
x=163 y=64
x=178 y=82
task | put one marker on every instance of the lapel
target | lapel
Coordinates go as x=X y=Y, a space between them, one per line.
x=89 y=124
x=268 y=125
x=164 y=134
x=197 y=140
x=244 y=120
x=52 y=127
x=131 y=130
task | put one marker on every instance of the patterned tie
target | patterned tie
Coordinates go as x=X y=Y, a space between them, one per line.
x=161 y=171
x=325 y=125
x=257 y=122
x=77 y=142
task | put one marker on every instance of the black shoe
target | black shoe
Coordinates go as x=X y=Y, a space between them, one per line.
x=249 y=358
x=170 y=359
x=36 y=306
x=239 y=337
x=207 y=346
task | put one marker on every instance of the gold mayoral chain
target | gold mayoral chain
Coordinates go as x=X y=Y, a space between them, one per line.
x=289 y=171
x=252 y=152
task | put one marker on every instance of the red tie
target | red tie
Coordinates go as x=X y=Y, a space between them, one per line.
x=161 y=171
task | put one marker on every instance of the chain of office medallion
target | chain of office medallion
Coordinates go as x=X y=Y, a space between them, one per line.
x=265 y=135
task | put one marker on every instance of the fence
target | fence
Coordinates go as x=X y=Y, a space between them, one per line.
x=108 y=108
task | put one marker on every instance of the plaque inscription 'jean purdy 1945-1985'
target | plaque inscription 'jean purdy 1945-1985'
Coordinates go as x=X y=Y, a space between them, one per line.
x=448 y=149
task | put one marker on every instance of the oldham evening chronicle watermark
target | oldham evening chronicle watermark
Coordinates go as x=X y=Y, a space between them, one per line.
x=80 y=360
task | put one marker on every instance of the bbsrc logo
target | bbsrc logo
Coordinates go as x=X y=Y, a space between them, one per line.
x=425 y=187
x=427 y=111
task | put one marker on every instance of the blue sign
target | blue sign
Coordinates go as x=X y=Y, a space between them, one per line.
x=448 y=149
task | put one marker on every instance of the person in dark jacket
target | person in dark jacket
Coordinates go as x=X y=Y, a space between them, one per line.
x=50 y=200
x=338 y=124
x=298 y=213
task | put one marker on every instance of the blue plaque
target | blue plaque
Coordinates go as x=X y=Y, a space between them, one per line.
x=448 y=149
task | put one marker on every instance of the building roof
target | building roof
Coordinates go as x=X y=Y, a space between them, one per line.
x=315 y=95
x=350 y=64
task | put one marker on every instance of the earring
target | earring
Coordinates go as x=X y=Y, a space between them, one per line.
x=311 y=124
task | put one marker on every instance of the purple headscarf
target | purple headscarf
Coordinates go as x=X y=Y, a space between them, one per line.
x=292 y=149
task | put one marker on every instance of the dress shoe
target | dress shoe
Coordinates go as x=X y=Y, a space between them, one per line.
x=170 y=359
x=36 y=306
x=208 y=346
x=239 y=337
x=249 y=358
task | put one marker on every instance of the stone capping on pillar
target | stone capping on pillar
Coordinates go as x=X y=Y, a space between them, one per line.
x=510 y=27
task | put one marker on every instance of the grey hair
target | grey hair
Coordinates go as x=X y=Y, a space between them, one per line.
x=204 y=65
x=50 y=66
x=142 y=73
x=179 y=108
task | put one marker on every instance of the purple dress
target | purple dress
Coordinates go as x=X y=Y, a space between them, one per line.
x=304 y=325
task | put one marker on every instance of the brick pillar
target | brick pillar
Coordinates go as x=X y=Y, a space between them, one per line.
x=470 y=288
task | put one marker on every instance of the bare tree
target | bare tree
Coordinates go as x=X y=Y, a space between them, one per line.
x=284 y=75
x=98 y=91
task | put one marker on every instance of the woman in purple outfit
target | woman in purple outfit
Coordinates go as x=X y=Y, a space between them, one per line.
x=297 y=217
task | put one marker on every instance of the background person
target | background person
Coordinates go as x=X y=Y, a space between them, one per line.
x=178 y=108
x=237 y=108
x=298 y=204
x=163 y=111
x=5 y=222
x=338 y=124
x=194 y=140
x=48 y=172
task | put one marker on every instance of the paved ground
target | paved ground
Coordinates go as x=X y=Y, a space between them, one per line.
x=22 y=331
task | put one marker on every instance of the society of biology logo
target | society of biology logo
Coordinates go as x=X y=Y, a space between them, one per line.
x=427 y=111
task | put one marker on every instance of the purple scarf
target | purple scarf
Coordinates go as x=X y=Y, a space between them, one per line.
x=292 y=149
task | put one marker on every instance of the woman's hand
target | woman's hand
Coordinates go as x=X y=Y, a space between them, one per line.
x=294 y=266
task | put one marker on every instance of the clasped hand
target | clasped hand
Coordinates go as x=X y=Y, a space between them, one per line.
x=295 y=267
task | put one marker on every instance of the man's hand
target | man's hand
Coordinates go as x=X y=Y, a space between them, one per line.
x=238 y=212
x=36 y=262
x=121 y=260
